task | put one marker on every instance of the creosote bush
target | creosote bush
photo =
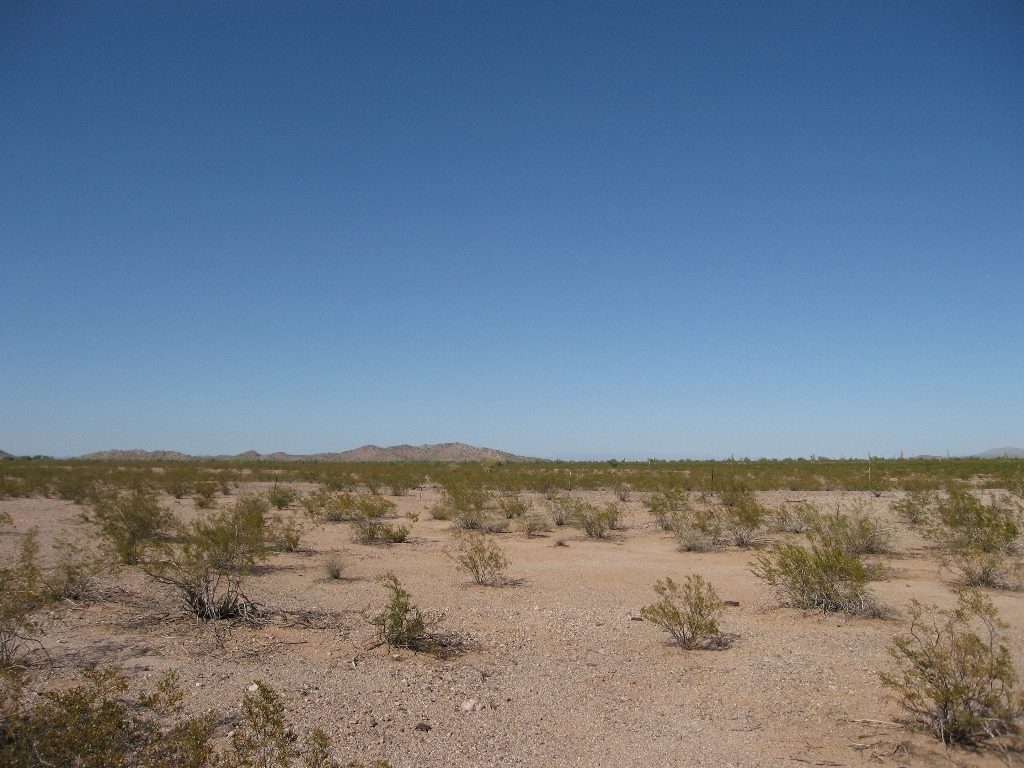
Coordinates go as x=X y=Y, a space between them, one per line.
x=101 y=723
x=857 y=533
x=480 y=557
x=215 y=552
x=533 y=523
x=76 y=569
x=957 y=681
x=667 y=507
x=979 y=540
x=280 y=496
x=823 y=578
x=401 y=624
x=698 y=531
x=595 y=521
x=368 y=526
x=131 y=524
x=688 y=612
x=21 y=593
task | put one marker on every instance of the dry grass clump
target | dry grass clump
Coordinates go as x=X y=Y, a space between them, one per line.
x=956 y=682
x=480 y=557
x=688 y=612
x=335 y=565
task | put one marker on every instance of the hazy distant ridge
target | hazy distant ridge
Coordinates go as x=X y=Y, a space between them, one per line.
x=998 y=453
x=440 y=452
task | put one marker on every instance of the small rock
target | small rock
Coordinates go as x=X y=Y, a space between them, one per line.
x=733 y=603
x=422 y=727
x=472 y=705
x=253 y=688
x=371 y=721
x=636 y=618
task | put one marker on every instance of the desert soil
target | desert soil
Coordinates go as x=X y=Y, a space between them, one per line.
x=559 y=673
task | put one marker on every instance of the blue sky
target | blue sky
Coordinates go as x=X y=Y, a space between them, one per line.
x=671 y=230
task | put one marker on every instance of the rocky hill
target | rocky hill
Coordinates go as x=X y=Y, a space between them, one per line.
x=998 y=453
x=440 y=452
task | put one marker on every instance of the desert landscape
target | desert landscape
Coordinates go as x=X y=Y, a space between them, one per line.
x=555 y=659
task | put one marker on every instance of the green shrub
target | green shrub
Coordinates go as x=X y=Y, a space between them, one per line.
x=698 y=531
x=132 y=524
x=208 y=567
x=959 y=684
x=285 y=533
x=262 y=739
x=401 y=624
x=21 y=593
x=858 y=534
x=77 y=566
x=817 y=578
x=280 y=496
x=533 y=523
x=562 y=508
x=595 y=521
x=460 y=500
x=368 y=526
x=794 y=518
x=96 y=724
x=480 y=557
x=203 y=493
x=913 y=508
x=514 y=506
x=102 y=724
x=688 y=613
x=743 y=518
x=668 y=507
x=979 y=541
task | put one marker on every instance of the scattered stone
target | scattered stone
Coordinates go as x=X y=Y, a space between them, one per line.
x=472 y=705
x=733 y=603
x=253 y=688
x=422 y=727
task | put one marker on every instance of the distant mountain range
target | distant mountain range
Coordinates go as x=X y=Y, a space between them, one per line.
x=441 y=452
x=998 y=453
x=5 y=454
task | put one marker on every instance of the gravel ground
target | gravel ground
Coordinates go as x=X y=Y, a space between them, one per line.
x=559 y=671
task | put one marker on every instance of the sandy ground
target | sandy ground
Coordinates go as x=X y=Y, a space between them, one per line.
x=564 y=673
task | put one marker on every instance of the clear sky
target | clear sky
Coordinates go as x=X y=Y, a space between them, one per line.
x=574 y=230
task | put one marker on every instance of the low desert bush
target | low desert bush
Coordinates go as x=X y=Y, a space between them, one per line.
x=334 y=565
x=562 y=508
x=595 y=521
x=533 y=523
x=857 y=533
x=285 y=533
x=698 y=531
x=281 y=496
x=669 y=507
x=459 y=500
x=794 y=518
x=914 y=508
x=979 y=540
x=132 y=524
x=76 y=570
x=214 y=554
x=816 y=578
x=514 y=505
x=743 y=518
x=22 y=592
x=623 y=491
x=688 y=612
x=400 y=623
x=204 y=492
x=955 y=672
x=480 y=557
x=368 y=526
x=102 y=723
